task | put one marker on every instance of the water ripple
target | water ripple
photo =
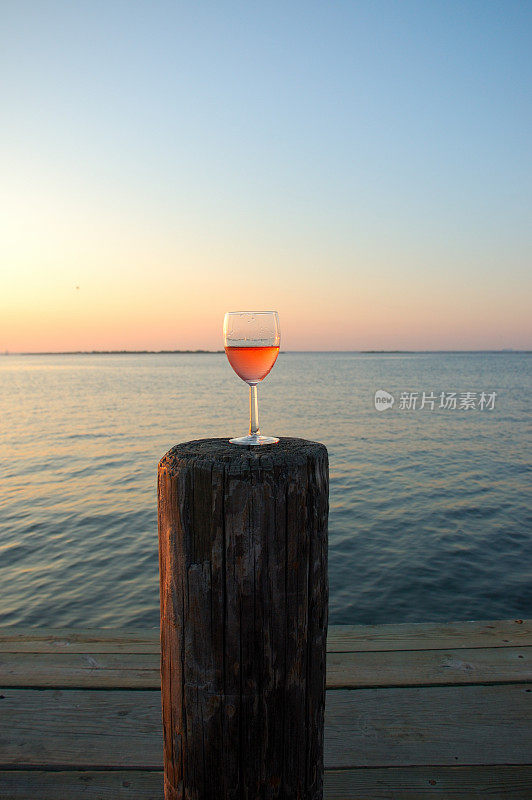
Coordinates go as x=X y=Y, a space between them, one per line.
x=429 y=511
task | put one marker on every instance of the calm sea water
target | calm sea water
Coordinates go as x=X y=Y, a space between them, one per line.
x=429 y=512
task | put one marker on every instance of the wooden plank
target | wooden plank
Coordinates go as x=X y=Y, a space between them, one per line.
x=428 y=725
x=429 y=667
x=364 y=727
x=392 y=783
x=341 y=638
x=429 y=783
x=98 y=640
x=430 y=636
x=344 y=670
x=88 y=785
x=81 y=670
x=80 y=728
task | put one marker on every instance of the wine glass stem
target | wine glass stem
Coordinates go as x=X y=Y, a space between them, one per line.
x=253 y=410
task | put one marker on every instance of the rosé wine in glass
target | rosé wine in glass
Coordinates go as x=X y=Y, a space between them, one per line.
x=251 y=341
x=252 y=363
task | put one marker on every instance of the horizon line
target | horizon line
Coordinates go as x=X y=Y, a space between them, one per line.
x=217 y=352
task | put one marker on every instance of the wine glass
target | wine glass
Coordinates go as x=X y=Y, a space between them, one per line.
x=251 y=341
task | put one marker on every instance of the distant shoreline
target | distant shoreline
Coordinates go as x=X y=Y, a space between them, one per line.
x=216 y=352
x=108 y=352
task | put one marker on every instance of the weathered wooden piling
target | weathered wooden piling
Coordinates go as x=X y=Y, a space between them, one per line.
x=244 y=591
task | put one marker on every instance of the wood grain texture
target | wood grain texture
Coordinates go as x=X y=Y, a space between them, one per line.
x=97 y=640
x=392 y=783
x=244 y=591
x=428 y=725
x=94 y=744
x=344 y=670
x=429 y=667
x=430 y=636
x=340 y=639
x=430 y=783
x=363 y=727
x=86 y=785
x=81 y=670
x=80 y=728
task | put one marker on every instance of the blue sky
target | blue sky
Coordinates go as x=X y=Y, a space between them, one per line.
x=356 y=161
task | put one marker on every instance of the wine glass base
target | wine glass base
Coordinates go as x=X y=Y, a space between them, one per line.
x=253 y=439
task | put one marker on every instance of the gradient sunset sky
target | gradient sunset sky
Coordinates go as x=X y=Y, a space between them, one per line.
x=362 y=167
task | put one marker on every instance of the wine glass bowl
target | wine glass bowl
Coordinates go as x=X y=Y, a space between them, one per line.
x=251 y=341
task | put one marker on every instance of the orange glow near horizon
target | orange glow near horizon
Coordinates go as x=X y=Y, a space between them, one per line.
x=75 y=278
x=176 y=316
